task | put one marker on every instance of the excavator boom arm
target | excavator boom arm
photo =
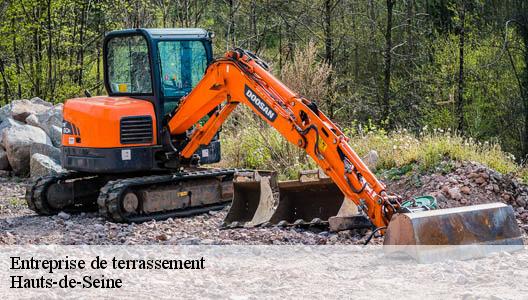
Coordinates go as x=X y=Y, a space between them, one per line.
x=241 y=77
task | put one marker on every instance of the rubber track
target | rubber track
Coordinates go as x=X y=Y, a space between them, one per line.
x=109 y=200
x=36 y=193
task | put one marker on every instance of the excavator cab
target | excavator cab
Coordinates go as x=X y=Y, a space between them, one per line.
x=146 y=74
x=161 y=65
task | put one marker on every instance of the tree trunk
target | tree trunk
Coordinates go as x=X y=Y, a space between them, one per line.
x=17 y=60
x=409 y=29
x=80 y=52
x=521 y=19
x=230 y=33
x=280 y=46
x=51 y=87
x=35 y=64
x=5 y=84
x=329 y=6
x=388 y=63
x=328 y=31
x=253 y=17
x=460 y=90
x=525 y=87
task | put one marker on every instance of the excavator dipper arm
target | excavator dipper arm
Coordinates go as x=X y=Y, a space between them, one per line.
x=241 y=77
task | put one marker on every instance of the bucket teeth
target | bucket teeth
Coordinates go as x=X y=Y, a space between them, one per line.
x=282 y=224
x=299 y=222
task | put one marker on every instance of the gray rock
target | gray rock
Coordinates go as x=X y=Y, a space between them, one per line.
x=454 y=193
x=99 y=227
x=42 y=165
x=50 y=121
x=4 y=162
x=4 y=112
x=37 y=100
x=21 y=109
x=371 y=159
x=6 y=124
x=18 y=140
x=55 y=134
x=32 y=120
x=521 y=201
x=64 y=216
x=47 y=150
x=466 y=190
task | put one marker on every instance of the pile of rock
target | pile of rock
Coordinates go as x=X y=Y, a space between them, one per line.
x=468 y=183
x=30 y=137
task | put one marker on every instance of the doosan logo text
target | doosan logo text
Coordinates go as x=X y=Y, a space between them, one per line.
x=260 y=104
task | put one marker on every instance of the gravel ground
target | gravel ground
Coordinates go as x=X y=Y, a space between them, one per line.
x=463 y=184
x=20 y=225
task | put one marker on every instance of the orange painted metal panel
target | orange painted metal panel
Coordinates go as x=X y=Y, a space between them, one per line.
x=97 y=120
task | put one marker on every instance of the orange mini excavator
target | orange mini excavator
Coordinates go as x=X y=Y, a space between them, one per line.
x=134 y=154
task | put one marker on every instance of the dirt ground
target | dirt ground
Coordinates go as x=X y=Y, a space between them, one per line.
x=463 y=184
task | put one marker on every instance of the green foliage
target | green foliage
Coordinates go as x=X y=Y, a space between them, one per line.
x=250 y=143
x=53 y=49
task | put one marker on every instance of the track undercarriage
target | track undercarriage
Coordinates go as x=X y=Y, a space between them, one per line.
x=133 y=199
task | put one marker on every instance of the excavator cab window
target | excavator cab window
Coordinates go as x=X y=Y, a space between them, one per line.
x=128 y=65
x=182 y=66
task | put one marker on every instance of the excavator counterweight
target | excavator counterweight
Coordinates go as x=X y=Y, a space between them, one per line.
x=140 y=149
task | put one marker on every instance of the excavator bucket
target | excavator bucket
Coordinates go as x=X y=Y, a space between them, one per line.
x=454 y=233
x=260 y=200
x=254 y=199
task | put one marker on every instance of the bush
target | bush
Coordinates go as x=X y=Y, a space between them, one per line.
x=429 y=148
x=250 y=143
x=258 y=146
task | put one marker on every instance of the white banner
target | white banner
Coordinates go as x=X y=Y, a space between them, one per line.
x=253 y=272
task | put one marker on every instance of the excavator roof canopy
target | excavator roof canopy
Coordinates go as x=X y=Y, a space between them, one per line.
x=159 y=33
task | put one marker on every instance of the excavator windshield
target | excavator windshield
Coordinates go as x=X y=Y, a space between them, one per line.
x=128 y=65
x=182 y=66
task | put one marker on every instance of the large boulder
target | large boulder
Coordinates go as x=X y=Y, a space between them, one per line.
x=21 y=109
x=42 y=165
x=55 y=134
x=50 y=121
x=6 y=124
x=4 y=162
x=4 y=113
x=47 y=150
x=18 y=141
x=38 y=101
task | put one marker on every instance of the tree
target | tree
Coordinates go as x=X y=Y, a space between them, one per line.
x=388 y=62
x=460 y=89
